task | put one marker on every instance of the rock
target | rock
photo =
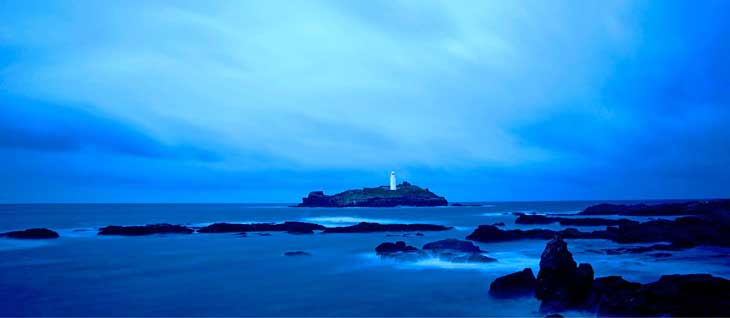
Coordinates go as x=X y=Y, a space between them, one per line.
x=454 y=245
x=289 y=227
x=542 y=219
x=419 y=234
x=242 y=234
x=397 y=247
x=491 y=233
x=162 y=228
x=560 y=283
x=684 y=232
x=702 y=207
x=365 y=227
x=406 y=194
x=554 y=316
x=37 y=233
x=517 y=284
x=264 y=234
x=694 y=295
x=297 y=253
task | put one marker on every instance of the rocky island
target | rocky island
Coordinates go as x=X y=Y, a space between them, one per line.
x=405 y=194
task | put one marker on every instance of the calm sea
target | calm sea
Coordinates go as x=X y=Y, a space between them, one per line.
x=82 y=274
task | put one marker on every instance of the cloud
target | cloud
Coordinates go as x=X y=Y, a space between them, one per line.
x=33 y=125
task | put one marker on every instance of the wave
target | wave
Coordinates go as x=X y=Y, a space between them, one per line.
x=350 y=220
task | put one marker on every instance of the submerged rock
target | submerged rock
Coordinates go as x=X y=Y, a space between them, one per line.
x=365 y=227
x=397 y=247
x=297 y=253
x=405 y=194
x=289 y=227
x=162 y=228
x=517 y=284
x=454 y=245
x=37 y=233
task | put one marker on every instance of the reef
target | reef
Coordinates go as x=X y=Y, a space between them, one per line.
x=162 y=228
x=38 y=233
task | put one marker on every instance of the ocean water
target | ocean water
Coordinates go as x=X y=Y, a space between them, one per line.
x=82 y=274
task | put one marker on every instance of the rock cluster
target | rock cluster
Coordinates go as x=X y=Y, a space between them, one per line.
x=561 y=285
x=450 y=250
x=366 y=227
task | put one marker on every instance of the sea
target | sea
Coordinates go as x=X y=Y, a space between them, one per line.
x=83 y=274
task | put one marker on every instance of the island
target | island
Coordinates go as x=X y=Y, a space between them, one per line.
x=404 y=194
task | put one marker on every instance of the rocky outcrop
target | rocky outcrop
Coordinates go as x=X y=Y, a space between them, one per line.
x=366 y=227
x=450 y=250
x=561 y=285
x=37 y=233
x=388 y=248
x=148 y=229
x=491 y=233
x=694 y=295
x=517 y=284
x=452 y=245
x=405 y=194
x=683 y=232
x=289 y=227
x=701 y=207
x=542 y=219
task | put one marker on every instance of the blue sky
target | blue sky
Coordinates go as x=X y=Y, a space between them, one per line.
x=263 y=101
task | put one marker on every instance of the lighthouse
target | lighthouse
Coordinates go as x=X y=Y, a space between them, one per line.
x=392 y=181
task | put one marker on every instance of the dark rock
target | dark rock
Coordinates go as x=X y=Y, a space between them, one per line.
x=694 y=295
x=684 y=232
x=297 y=253
x=453 y=244
x=405 y=194
x=38 y=233
x=542 y=219
x=162 y=228
x=491 y=233
x=365 y=227
x=560 y=284
x=264 y=234
x=554 y=316
x=514 y=285
x=289 y=227
x=397 y=247
x=419 y=234
x=701 y=207
x=242 y=234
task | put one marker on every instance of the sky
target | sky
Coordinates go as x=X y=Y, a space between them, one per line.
x=264 y=101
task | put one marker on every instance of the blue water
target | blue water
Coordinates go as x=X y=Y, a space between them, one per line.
x=82 y=274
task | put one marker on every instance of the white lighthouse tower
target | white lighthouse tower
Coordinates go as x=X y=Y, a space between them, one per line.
x=392 y=181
